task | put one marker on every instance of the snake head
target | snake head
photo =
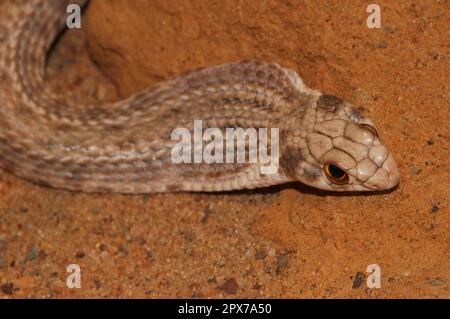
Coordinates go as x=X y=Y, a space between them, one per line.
x=342 y=150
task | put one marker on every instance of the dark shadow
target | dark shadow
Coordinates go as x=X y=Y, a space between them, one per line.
x=58 y=37
x=301 y=188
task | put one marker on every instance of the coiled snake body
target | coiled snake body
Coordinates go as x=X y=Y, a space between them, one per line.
x=125 y=147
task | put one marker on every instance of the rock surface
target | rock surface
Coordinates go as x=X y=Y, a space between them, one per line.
x=137 y=43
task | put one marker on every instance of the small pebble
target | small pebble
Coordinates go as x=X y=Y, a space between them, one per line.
x=272 y=252
x=97 y=283
x=8 y=288
x=437 y=282
x=260 y=255
x=358 y=281
x=206 y=212
x=282 y=261
x=435 y=208
x=420 y=65
x=257 y=286
x=389 y=28
x=414 y=171
x=293 y=218
x=406 y=273
x=80 y=254
x=230 y=286
x=42 y=254
x=249 y=253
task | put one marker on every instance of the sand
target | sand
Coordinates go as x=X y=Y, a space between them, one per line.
x=286 y=241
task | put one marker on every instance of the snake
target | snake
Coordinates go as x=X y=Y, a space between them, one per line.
x=126 y=146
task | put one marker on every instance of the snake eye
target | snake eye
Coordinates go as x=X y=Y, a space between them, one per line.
x=370 y=128
x=335 y=174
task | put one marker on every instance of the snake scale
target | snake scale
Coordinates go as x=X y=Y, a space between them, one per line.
x=125 y=146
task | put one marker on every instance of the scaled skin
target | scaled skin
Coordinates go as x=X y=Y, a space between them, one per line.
x=340 y=135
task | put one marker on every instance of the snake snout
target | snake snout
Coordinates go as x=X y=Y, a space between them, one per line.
x=386 y=177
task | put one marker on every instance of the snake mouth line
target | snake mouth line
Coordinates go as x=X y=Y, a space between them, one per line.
x=386 y=177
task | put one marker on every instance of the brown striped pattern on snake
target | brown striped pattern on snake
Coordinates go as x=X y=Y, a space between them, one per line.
x=125 y=146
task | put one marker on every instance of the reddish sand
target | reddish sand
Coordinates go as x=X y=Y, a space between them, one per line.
x=289 y=241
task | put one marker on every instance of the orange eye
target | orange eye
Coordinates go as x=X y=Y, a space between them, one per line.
x=335 y=174
x=370 y=128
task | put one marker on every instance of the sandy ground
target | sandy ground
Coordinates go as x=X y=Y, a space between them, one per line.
x=288 y=241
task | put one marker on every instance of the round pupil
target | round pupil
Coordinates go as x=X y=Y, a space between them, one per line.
x=336 y=172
